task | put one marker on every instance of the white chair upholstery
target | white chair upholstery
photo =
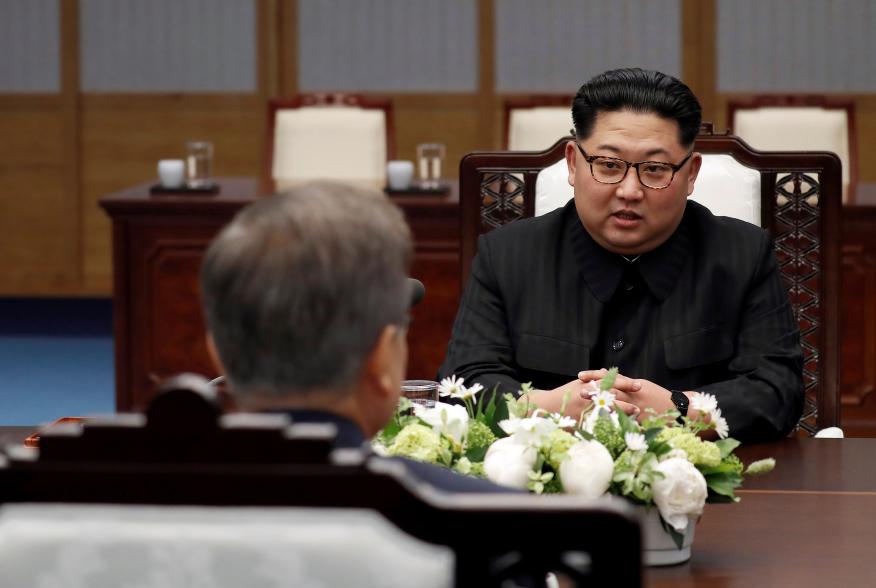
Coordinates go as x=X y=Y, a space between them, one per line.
x=797 y=128
x=344 y=143
x=104 y=546
x=534 y=129
x=724 y=186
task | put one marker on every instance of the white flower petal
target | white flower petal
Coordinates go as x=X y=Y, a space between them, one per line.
x=680 y=493
x=635 y=441
x=587 y=470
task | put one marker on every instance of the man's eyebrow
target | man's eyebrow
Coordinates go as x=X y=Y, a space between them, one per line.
x=649 y=153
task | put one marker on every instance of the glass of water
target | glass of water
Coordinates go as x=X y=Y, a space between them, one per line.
x=422 y=392
x=199 y=163
x=430 y=160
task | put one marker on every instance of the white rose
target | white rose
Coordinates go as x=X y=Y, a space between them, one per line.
x=587 y=470
x=680 y=493
x=508 y=463
x=447 y=419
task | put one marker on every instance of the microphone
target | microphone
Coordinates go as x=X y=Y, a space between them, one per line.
x=417 y=289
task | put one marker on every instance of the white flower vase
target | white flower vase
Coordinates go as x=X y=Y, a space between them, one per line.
x=658 y=547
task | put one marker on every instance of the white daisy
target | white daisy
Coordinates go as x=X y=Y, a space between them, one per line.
x=603 y=400
x=704 y=403
x=468 y=391
x=720 y=423
x=564 y=422
x=635 y=441
x=450 y=387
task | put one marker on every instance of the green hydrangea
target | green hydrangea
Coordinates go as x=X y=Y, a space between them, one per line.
x=479 y=435
x=698 y=452
x=558 y=446
x=609 y=435
x=418 y=442
x=734 y=461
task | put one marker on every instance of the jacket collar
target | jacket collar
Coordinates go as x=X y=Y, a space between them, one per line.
x=603 y=270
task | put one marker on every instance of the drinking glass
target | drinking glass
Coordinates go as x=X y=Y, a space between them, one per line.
x=430 y=159
x=422 y=392
x=199 y=163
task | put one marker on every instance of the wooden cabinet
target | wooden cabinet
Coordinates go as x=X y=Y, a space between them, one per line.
x=858 y=327
x=158 y=244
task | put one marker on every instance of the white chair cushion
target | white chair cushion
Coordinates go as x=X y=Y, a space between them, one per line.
x=728 y=188
x=724 y=186
x=774 y=128
x=104 y=546
x=552 y=189
x=342 y=143
x=536 y=129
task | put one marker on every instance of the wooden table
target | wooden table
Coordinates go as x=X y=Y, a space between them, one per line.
x=811 y=522
x=158 y=243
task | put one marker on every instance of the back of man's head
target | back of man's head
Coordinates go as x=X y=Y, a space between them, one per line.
x=299 y=286
x=641 y=91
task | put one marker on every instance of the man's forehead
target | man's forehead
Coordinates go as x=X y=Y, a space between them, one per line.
x=644 y=133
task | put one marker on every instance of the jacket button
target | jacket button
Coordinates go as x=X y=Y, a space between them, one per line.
x=617 y=345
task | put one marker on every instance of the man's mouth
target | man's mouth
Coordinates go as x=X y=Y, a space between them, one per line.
x=626 y=215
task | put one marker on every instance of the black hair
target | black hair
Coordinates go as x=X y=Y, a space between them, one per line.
x=641 y=91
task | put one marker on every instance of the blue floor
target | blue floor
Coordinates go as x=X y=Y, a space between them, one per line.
x=56 y=359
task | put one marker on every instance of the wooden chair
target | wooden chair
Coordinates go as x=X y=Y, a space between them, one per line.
x=342 y=137
x=201 y=466
x=798 y=195
x=534 y=122
x=800 y=122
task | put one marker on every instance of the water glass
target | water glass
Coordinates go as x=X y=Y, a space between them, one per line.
x=430 y=160
x=199 y=163
x=422 y=392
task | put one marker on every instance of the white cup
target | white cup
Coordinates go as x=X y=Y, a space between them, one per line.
x=172 y=172
x=399 y=174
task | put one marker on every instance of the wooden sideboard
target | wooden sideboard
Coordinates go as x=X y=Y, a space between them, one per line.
x=158 y=243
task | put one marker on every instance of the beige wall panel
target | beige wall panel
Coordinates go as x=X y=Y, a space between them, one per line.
x=37 y=239
x=455 y=124
x=124 y=137
x=866 y=120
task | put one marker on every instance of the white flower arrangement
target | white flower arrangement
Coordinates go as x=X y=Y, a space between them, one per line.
x=656 y=462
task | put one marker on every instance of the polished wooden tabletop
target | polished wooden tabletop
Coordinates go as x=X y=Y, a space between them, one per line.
x=810 y=522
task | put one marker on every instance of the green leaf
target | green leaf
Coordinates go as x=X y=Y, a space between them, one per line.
x=476 y=453
x=727 y=446
x=651 y=434
x=724 y=483
x=607 y=382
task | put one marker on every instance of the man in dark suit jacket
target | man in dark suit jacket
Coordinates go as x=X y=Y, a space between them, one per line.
x=632 y=274
x=306 y=298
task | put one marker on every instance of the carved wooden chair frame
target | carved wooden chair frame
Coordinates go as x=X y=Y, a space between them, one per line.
x=801 y=196
x=185 y=452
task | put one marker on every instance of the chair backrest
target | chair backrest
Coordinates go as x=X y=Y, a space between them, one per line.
x=329 y=136
x=534 y=122
x=797 y=201
x=776 y=122
x=197 y=492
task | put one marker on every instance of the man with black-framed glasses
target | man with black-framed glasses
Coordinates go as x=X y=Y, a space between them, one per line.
x=630 y=273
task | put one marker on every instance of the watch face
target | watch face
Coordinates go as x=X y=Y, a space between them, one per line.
x=681 y=401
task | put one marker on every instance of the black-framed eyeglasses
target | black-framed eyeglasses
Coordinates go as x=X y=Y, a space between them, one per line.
x=612 y=170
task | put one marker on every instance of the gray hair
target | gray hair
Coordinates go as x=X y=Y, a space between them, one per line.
x=299 y=286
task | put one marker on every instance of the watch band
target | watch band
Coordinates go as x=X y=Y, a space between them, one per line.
x=681 y=402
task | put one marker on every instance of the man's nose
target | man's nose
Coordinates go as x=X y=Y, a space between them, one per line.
x=630 y=188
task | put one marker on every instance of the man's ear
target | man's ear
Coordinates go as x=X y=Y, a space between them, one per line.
x=214 y=354
x=696 y=162
x=571 y=160
x=380 y=363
